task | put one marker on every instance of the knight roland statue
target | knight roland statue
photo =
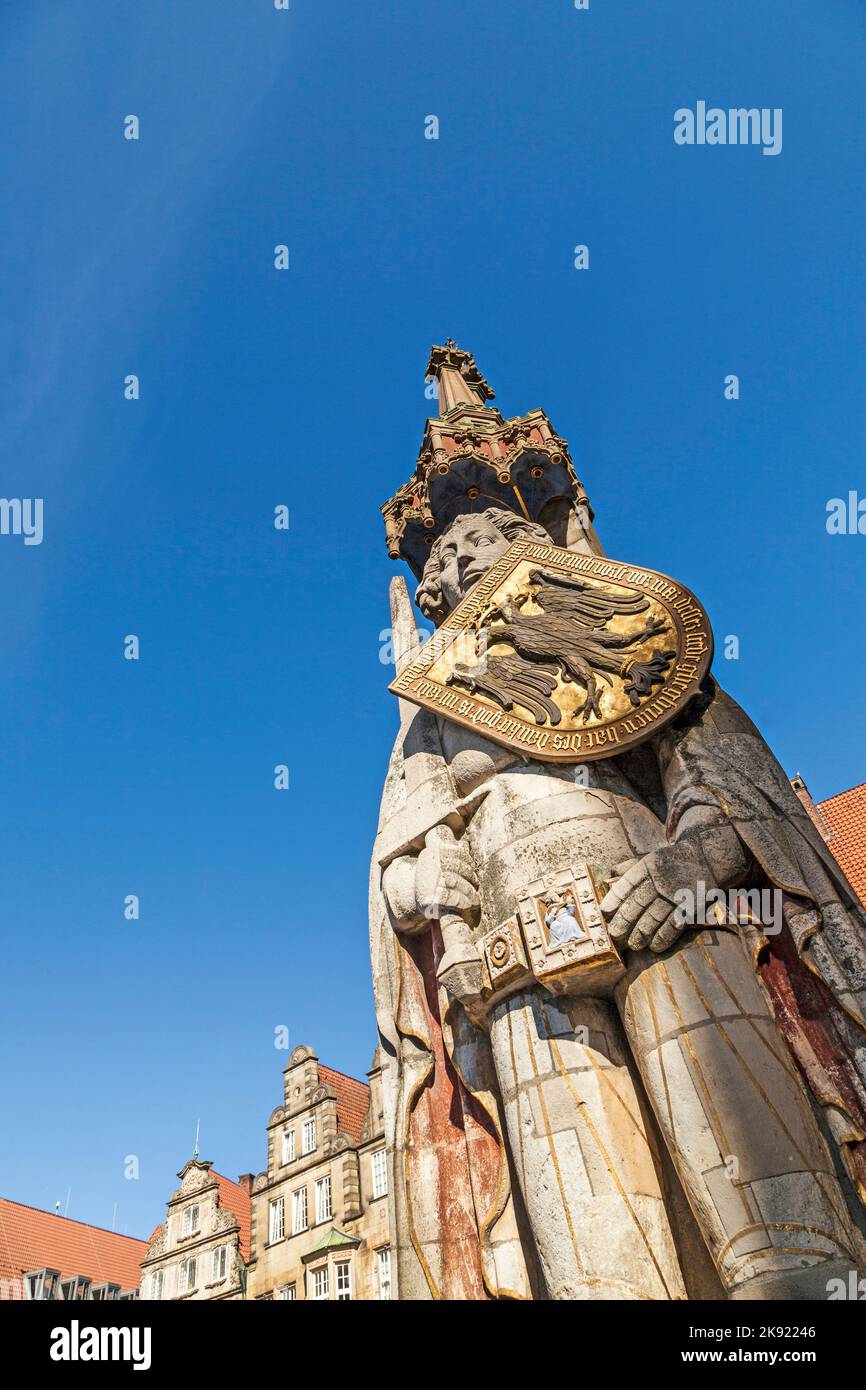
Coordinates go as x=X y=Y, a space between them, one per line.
x=590 y=1092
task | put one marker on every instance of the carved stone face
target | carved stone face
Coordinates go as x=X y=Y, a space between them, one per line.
x=466 y=553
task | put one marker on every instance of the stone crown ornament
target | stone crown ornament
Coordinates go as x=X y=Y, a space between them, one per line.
x=471 y=458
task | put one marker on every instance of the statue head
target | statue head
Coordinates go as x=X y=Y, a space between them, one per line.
x=465 y=552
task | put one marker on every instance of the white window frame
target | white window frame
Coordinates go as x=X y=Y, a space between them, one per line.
x=300 y=1212
x=321 y=1284
x=288 y=1146
x=220 y=1266
x=383 y=1266
x=190 y=1220
x=287 y=1293
x=308 y=1141
x=157 y=1284
x=188 y=1276
x=276 y=1220
x=343 y=1281
x=379 y=1172
x=324 y=1201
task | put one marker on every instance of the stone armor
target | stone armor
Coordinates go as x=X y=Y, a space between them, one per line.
x=691 y=1126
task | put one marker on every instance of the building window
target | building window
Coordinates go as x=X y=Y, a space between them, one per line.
x=42 y=1284
x=344 y=1281
x=309 y=1136
x=157 y=1281
x=383 y=1260
x=77 y=1288
x=299 y=1210
x=320 y=1282
x=220 y=1262
x=288 y=1146
x=379 y=1165
x=188 y=1272
x=106 y=1292
x=277 y=1221
x=287 y=1293
x=190 y=1221
x=323 y=1199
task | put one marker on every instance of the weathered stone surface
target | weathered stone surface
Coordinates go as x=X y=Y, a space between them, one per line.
x=653 y=1140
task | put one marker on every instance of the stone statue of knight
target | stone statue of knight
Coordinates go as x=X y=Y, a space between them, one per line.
x=696 y=1129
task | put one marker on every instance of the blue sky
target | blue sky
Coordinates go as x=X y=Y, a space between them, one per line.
x=306 y=388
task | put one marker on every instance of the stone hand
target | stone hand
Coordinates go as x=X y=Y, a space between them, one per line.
x=644 y=907
x=398 y=887
x=446 y=883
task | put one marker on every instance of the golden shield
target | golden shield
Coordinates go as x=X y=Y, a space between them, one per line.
x=564 y=657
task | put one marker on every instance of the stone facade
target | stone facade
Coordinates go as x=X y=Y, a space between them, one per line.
x=201 y=1250
x=320 y=1226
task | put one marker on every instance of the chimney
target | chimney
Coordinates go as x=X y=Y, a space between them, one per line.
x=246 y=1182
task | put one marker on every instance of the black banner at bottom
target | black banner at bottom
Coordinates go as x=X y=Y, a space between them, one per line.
x=242 y=1340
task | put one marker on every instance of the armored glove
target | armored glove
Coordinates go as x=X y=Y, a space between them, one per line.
x=446 y=884
x=653 y=899
x=440 y=885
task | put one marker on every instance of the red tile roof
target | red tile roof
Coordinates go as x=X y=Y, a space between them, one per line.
x=234 y=1198
x=845 y=815
x=353 y=1100
x=34 y=1239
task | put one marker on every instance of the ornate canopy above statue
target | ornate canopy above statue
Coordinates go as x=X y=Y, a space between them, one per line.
x=471 y=458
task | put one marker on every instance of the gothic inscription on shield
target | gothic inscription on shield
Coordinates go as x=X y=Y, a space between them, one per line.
x=564 y=657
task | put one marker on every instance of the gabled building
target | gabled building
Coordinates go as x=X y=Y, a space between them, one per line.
x=47 y=1256
x=845 y=817
x=841 y=821
x=320 y=1225
x=202 y=1249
